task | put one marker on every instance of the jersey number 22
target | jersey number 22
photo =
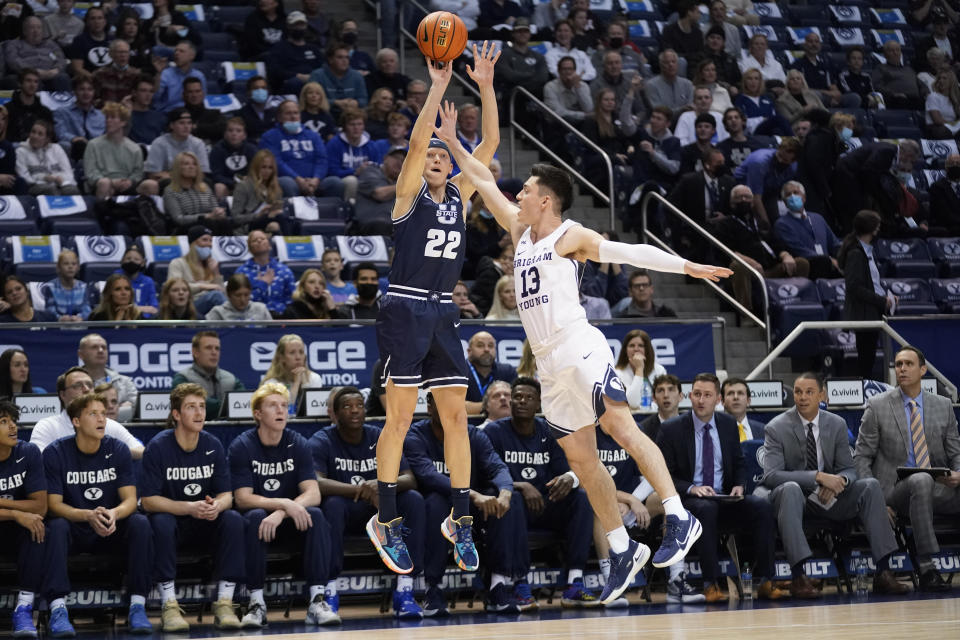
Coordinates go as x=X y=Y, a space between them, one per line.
x=442 y=244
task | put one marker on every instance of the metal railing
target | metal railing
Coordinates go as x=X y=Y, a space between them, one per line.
x=607 y=198
x=850 y=325
x=762 y=323
x=412 y=37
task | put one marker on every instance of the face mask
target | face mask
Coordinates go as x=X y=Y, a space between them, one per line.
x=130 y=268
x=902 y=176
x=794 y=203
x=292 y=128
x=259 y=95
x=350 y=37
x=743 y=209
x=846 y=133
x=183 y=32
x=298 y=34
x=204 y=252
x=367 y=291
x=615 y=43
x=953 y=173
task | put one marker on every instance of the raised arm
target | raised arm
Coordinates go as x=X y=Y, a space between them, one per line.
x=482 y=74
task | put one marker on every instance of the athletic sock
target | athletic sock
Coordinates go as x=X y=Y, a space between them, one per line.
x=316 y=590
x=673 y=507
x=461 y=502
x=605 y=567
x=675 y=571
x=387 y=492
x=256 y=596
x=497 y=578
x=168 y=591
x=404 y=582
x=618 y=539
x=58 y=602
x=331 y=588
x=25 y=599
x=225 y=590
x=573 y=575
x=140 y=600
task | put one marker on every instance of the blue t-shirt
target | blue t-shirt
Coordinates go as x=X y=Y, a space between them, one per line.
x=342 y=294
x=339 y=460
x=426 y=457
x=88 y=480
x=618 y=462
x=537 y=459
x=272 y=472
x=22 y=473
x=173 y=473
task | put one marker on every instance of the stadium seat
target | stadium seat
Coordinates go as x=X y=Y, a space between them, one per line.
x=221 y=41
x=833 y=293
x=299 y=266
x=318 y=216
x=227 y=269
x=882 y=120
x=913 y=296
x=908 y=258
x=231 y=15
x=36 y=271
x=946 y=293
x=792 y=301
x=18 y=216
x=80 y=222
x=946 y=255
x=97 y=271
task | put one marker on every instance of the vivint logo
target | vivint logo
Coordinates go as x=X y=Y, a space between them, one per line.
x=150 y=357
x=323 y=355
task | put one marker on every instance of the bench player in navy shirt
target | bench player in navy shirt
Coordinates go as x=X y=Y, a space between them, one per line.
x=417 y=325
x=542 y=476
x=346 y=464
x=274 y=485
x=185 y=487
x=23 y=503
x=92 y=503
x=492 y=500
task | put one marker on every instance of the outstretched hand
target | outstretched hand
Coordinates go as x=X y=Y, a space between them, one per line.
x=447 y=131
x=706 y=271
x=440 y=72
x=483 y=63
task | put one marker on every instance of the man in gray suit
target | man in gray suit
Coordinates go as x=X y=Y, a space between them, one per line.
x=908 y=427
x=806 y=453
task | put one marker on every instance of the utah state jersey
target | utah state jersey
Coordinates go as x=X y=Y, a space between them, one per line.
x=173 y=473
x=349 y=463
x=88 y=481
x=618 y=462
x=272 y=472
x=22 y=473
x=429 y=243
x=536 y=459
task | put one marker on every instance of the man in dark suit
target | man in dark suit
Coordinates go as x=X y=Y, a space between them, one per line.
x=806 y=234
x=806 y=455
x=945 y=199
x=702 y=452
x=909 y=427
x=866 y=178
x=702 y=195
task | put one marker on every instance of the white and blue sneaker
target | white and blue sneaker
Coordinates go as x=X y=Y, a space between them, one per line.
x=59 y=625
x=623 y=569
x=23 y=622
x=405 y=607
x=679 y=591
x=333 y=601
x=679 y=537
x=320 y=613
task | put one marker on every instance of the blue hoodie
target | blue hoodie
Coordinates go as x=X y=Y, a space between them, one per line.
x=298 y=156
x=343 y=159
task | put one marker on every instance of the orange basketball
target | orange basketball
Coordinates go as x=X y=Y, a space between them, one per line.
x=442 y=36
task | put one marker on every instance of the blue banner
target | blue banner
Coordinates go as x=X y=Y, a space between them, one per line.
x=937 y=338
x=341 y=355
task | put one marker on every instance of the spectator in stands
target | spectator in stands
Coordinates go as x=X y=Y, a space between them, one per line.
x=639 y=304
x=146 y=123
x=527 y=366
x=610 y=129
x=762 y=117
x=468 y=126
x=416 y=95
x=933 y=443
x=798 y=99
x=820 y=75
x=620 y=81
x=685 y=130
x=257 y=199
x=874 y=176
x=332 y=265
x=937 y=61
x=461 y=298
x=398 y=134
x=719 y=470
x=668 y=89
x=637 y=367
x=895 y=81
x=291 y=60
x=684 y=36
x=484 y=236
x=568 y=94
x=728 y=71
x=945 y=198
x=170 y=85
x=71 y=384
x=238 y=306
x=188 y=200
x=295 y=488
x=25 y=107
x=115 y=81
x=484 y=369
x=806 y=234
x=765 y=171
x=91 y=49
x=116 y=301
x=550 y=495
x=500 y=12
x=943 y=107
x=519 y=65
x=132 y=264
x=740 y=144
x=344 y=87
x=735 y=393
x=345 y=460
x=315 y=111
x=262 y=29
x=563 y=48
x=365 y=303
x=206 y=372
x=310 y=299
x=62 y=26
x=377 y=113
x=496 y=403
x=230 y=158
x=257 y=117
x=94 y=354
x=489 y=272
x=585 y=34
x=691 y=155
x=42 y=56
x=300 y=154
x=43 y=164
x=941 y=37
x=350 y=151
x=168 y=27
x=129 y=30
x=184 y=454
x=15 y=374
x=742 y=233
x=348 y=32
x=853 y=80
x=387 y=74
x=719 y=19
x=504 y=306
x=376 y=192
x=758 y=56
x=827 y=139
x=703 y=195
x=176 y=302
x=604 y=280
x=616 y=41
x=657 y=154
x=110 y=401
x=165 y=149
x=317 y=21
x=200 y=270
x=289 y=367
x=78 y=124
x=208 y=124
x=272 y=281
x=10 y=183
x=666 y=395
x=20 y=304
x=706 y=76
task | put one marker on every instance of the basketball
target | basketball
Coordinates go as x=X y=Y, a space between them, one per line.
x=442 y=36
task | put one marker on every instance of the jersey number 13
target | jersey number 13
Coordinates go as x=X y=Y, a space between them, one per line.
x=442 y=244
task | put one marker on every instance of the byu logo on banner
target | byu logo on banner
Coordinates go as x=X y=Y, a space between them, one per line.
x=11 y=208
x=230 y=248
x=100 y=248
x=362 y=248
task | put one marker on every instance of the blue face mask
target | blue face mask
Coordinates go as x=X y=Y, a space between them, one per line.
x=846 y=133
x=259 y=95
x=292 y=128
x=794 y=203
x=183 y=32
x=204 y=252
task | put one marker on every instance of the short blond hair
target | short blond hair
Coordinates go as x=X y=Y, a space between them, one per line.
x=267 y=389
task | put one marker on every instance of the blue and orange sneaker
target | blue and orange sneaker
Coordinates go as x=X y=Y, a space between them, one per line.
x=460 y=534
x=23 y=622
x=679 y=537
x=405 y=607
x=576 y=595
x=388 y=539
x=623 y=568
x=59 y=625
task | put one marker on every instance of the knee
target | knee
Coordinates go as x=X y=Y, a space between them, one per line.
x=139 y=524
x=335 y=508
x=231 y=520
x=317 y=517
x=148 y=188
x=254 y=517
x=57 y=527
x=791 y=489
x=871 y=485
x=104 y=185
x=920 y=482
x=164 y=524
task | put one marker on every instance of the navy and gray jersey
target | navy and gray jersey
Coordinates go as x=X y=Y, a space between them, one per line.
x=173 y=473
x=618 y=462
x=272 y=472
x=349 y=463
x=88 y=480
x=22 y=473
x=536 y=459
x=429 y=245
x=425 y=455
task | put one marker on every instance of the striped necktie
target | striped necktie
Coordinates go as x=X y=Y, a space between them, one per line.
x=812 y=463
x=921 y=456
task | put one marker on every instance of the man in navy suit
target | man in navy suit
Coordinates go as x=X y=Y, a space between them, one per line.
x=807 y=234
x=702 y=452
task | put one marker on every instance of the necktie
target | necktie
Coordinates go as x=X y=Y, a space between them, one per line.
x=714 y=195
x=956 y=188
x=811 y=449
x=86 y=132
x=707 y=457
x=920 y=454
x=743 y=431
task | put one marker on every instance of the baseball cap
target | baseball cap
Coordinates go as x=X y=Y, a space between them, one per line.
x=296 y=16
x=178 y=114
x=521 y=23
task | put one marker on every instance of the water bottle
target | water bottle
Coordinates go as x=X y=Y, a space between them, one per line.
x=859 y=574
x=746 y=581
x=646 y=397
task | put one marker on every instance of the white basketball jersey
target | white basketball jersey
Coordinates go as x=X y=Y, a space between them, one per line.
x=548 y=288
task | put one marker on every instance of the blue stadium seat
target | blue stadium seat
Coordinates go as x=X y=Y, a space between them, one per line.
x=18 y=216
x=158 y=271
x=218 y=56
x=219 y=41
x=331 y=217
x=913 y=296
x=299 y=266
x=908 y=258
x=36 y=271
x=840 y=351
x=792 y=301
x=833 y=293
x=227 y=269
x=752 y=463
x=946 y=293
x=946 y=255
x=231 y=15
x=96 y=271
x=882 y=120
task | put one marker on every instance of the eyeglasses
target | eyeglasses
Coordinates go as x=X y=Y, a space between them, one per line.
x=81 y=386
x=641 y=285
